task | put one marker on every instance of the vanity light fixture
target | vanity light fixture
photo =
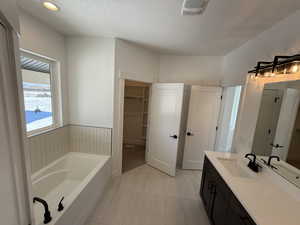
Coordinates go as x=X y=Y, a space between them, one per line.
x=259 y=68
x=51 y=6
x=280 y=65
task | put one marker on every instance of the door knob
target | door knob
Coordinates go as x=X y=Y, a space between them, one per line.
x=276 y=146
x=174 y=136
x=189 y=134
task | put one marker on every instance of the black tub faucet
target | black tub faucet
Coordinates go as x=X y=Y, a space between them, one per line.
x=47 y=214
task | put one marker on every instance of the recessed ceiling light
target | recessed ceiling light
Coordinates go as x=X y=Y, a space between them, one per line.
x=51 y=6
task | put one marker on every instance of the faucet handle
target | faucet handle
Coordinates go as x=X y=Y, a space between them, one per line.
x=60 y=205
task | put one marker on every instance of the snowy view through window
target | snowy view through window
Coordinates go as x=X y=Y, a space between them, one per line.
x=37 y=98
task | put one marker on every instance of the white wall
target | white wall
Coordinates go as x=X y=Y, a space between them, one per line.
x=202 y=70
x=282 y=38
x=135 y=63
x=91 y=80
x=227 y=118
x=41 y=39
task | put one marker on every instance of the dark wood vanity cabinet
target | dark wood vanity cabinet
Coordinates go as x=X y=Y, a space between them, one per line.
x=221 y=205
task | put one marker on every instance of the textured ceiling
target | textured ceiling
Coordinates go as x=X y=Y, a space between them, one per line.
x=158 y=24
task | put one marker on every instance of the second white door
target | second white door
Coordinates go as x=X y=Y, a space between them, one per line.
x=203 y=115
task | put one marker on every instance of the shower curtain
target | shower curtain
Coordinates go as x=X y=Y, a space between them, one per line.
x=14 y=205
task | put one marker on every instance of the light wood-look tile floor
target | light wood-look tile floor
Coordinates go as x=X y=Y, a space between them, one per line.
x=145 y=196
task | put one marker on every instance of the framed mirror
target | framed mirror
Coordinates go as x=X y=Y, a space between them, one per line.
x=278 y=129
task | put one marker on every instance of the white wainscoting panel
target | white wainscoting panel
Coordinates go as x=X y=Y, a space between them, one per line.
x=95 y=140
x=46 y=148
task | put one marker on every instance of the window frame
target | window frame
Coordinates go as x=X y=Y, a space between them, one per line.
x=55 y=93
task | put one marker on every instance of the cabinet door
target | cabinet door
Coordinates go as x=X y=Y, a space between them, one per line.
x=220 y=204
x=207 y=182
x=238 y=219
x=238 y=215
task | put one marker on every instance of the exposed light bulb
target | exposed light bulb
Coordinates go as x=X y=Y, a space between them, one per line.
x=269 y=74
x=285 y=70
x=51 y=6
x=294 y=68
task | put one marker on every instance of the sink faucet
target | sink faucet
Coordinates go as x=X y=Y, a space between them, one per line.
x=272 y=157
x=253 y=155
x=252 y=163
x=47 y=214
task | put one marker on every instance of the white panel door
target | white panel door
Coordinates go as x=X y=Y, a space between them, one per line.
x=164 y=125
x=203 y=115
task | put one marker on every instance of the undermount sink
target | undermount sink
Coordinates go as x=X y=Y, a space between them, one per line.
x=233 y=167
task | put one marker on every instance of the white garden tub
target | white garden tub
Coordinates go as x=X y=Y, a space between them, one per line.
x=78 y=177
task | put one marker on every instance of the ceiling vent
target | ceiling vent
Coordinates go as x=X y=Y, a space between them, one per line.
x=194 y=7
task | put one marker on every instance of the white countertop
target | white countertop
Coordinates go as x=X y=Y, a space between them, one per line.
x=266 y=196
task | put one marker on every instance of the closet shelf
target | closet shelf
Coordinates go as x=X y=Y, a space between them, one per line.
x=133 y=113
x=134 y=97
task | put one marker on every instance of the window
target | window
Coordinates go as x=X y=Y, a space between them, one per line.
x=39 y=95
